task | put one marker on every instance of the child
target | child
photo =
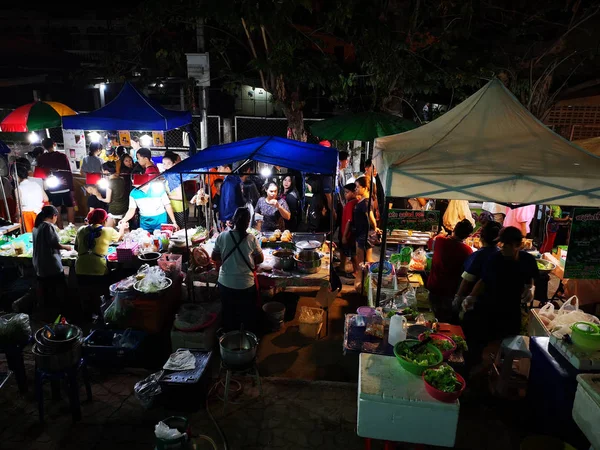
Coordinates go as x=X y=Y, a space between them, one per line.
x=348 y=244
x=32 y=197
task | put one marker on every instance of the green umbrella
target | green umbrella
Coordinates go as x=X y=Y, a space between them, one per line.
x=365 y=126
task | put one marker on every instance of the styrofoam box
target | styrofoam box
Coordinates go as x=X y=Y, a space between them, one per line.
x=394 y=406
x=586 y=407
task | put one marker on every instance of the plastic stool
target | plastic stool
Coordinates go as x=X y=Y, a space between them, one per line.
x=14 y=360
x=511 y=350
x=70 y=375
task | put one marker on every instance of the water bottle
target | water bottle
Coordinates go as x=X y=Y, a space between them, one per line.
x=397 y=331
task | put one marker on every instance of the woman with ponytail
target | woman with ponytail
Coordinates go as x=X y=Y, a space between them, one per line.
x=46 y=256
x=238 y=253
x=92 y=245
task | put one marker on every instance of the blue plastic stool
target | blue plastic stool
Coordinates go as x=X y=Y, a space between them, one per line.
x=73 y=387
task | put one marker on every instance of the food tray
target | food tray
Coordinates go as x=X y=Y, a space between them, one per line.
x=188 y=376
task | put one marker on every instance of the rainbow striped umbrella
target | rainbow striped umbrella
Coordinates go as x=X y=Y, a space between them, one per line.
x=36 y=116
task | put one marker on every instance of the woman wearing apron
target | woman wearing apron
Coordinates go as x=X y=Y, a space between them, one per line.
x=238 y=254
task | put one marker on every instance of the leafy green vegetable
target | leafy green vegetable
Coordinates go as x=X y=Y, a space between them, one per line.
x=409 y=312
x=461 y=344
x=425 y=357
x=396 y=258
x=443 y=379
x=442 y=344
x=541 y=265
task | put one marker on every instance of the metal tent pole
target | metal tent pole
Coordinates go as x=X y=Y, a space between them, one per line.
x=382 y=252
x=187 y=245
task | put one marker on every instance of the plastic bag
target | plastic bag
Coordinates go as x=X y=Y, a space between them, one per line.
x=310 y=315
x=154 y=281
x=148 y=389
x=14 y=329
x=162 y=431
x=375 y=326
x=409 y=298
x=547 y=311
x=569 y=306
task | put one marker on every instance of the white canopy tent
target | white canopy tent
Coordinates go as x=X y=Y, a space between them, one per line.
x=488 y=148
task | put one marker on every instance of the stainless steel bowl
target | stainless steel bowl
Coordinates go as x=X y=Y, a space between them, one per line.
x=284 y=259
x=57 y=361
x=238 y=348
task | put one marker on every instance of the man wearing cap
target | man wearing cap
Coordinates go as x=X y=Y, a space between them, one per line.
x=493 y=310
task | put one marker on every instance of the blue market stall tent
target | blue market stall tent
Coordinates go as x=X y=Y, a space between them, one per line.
x=130 y=110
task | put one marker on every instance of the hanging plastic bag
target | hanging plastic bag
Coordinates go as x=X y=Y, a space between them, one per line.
x=569 y=306
x=148 y=389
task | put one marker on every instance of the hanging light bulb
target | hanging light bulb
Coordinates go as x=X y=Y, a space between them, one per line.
x=145 y=140
x=52 y=181
x=94 y=136
x=102 y=183
x=266 y=172
x=33 y=137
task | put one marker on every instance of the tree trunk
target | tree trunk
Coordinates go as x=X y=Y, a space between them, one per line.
x=295 y=118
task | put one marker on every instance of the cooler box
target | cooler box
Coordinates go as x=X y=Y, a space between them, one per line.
x=586 y=408
x=394 y=406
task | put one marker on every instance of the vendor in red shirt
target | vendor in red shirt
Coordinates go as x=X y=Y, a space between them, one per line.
x=144 y=158
x=449 y=256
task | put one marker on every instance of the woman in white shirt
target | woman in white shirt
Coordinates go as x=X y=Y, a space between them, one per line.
x=238 y=253
x=32 y=198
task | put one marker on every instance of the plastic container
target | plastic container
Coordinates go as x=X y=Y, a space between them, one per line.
x=446 y=397
x=311 y=329
x=586 y=335
x=415 y=368
x=441 y=337
x=275 y=312
x=397 y=331
x=365 y=311
x=99 y=350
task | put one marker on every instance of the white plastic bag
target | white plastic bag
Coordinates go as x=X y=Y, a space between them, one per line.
x=569 y=306
x=547 y=311
x=162 y=431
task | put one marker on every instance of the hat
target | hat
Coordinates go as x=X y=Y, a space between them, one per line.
x=97 y=216
x=510 y=235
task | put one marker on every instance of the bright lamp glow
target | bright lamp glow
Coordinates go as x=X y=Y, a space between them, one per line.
x=52 y=181
x=102 y=183
x=266 y=172
x=145 y=140
x=94 y=137
x=33 y=137
x=157 y=188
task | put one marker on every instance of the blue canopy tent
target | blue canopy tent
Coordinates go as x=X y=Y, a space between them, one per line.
x=301 y=156
x=309 y=158
x=130 y=110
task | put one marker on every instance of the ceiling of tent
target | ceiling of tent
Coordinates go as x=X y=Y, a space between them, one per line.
x=488 y=148
x=130 y=110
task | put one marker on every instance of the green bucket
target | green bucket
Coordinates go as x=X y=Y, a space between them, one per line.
x=181 y=423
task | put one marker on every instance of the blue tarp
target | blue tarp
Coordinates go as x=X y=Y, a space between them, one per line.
x=130 y=110
x=308 y=158
x=4 y=149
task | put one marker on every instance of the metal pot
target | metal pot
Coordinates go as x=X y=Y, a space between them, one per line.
x=150 y=258
x=284 y=259
x=308 y=245
x=57 y=361
x=308 y=261
x=238 y=348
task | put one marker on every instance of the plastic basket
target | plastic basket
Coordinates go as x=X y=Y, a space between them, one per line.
x=311 y=329
x=98 y=348
x=126 y=251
